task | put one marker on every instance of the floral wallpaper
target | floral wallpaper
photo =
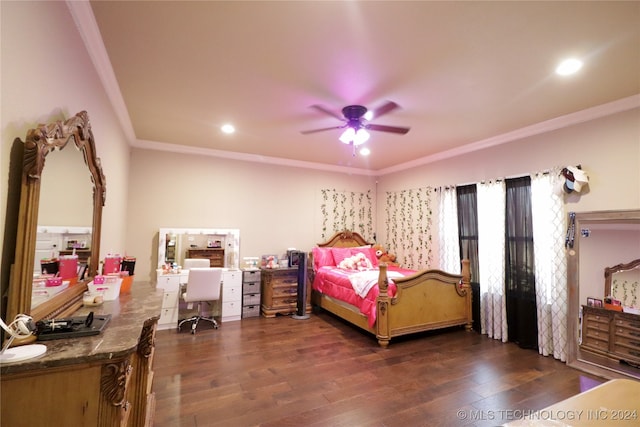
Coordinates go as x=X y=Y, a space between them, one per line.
x=408 y=220
x=347 y=210
x=626 y=291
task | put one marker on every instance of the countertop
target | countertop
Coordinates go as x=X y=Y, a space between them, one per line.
x=119 y=338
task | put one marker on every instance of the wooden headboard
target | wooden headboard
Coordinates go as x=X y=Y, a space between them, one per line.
x=345 y=239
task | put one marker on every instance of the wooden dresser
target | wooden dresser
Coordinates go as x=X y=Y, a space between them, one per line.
x=611 y=333
x=279 y=291
x=214 y=255
x=83 y=254
x=101 y=380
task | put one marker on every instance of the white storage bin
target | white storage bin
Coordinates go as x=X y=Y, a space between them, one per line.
x=110 y=288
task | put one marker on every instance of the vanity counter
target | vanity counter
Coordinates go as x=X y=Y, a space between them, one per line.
x=120 y=337
x=101 y=380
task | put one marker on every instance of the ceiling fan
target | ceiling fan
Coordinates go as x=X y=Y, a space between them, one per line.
x=356 y=122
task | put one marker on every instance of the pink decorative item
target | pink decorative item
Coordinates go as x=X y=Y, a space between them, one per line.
x=53 y=281
x=68 y=266
x=112 y=264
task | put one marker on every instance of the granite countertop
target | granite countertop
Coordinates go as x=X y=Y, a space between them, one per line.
x=119 y=338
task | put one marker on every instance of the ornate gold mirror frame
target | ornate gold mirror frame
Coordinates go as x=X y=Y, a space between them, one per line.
x=39 y=143
x=620 y=268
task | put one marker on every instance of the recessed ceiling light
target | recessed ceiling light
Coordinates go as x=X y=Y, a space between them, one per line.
x=228 y=128
x=569 y=66
x=365 y=151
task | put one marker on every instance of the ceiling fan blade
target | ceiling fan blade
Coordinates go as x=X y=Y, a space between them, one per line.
x=384 y=109
x=307 y=132
x=325 y=110
x=384 y=128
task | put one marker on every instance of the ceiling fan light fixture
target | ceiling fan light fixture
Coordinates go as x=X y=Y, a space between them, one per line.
x=350 y=135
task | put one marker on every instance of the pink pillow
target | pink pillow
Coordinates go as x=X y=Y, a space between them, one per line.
x=368 y=251
x=339 y=254
x=322 y=257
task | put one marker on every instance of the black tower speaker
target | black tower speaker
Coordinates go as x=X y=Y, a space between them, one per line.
x=301 y=312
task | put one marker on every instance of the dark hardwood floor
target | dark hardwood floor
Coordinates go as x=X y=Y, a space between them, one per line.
x=323 y=372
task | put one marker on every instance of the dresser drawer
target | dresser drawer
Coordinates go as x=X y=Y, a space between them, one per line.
x=170 y=283
x=170 y=300
x=251 y=276
x=251 y=299
x=168 y=316
x=231 y=293
x=251 y=311
x=631 y=324
x=598 y=334
x=251 y=288
x=284 y=302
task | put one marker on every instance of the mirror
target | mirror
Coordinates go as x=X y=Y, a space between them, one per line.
x=174 y=244
x=601 y=239
x=44 y=143
x=622 y=282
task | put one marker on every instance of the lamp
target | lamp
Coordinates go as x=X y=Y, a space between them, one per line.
x=21 y=327
x=357 y=137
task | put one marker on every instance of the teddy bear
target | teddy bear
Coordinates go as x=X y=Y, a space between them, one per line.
x=356 y=262
x=384 y=256
x=271 y=262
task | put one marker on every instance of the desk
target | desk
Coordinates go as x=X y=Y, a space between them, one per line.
x=231 y=296
x=614 y=403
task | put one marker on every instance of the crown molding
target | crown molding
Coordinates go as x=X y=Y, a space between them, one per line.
x=556 y=123
x=248 y=157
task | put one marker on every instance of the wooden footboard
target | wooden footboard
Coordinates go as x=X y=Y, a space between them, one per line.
x=427 y=300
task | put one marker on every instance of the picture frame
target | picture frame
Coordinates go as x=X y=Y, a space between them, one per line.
x=597 y=303
x=591 y=302
x=82 y=271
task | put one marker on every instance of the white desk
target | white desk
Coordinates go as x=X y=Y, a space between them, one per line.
x=231 y=298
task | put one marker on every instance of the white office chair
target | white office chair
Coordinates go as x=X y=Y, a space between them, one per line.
x=203 y=286
x=190 y=263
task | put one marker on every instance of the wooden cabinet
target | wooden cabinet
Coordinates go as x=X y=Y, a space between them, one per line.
x=611 y=333
x=83 y=254
x=279 y=289
x=214 y=255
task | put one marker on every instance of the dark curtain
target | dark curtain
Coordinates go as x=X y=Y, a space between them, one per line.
x=520 y=278
x=467 y=201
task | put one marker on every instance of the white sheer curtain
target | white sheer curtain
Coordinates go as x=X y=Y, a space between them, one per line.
x=548 y=219
x=448 y=231
x=491 y=244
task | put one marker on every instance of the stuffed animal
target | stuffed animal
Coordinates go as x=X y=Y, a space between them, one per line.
x=271 y=262
x=384 y=256
x=356 y=262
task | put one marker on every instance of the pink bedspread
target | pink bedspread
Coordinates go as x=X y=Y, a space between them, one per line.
x=334 y=282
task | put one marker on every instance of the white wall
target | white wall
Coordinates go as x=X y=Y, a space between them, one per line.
x=47 y=75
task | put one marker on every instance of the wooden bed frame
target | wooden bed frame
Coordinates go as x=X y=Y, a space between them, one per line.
x=426 y=300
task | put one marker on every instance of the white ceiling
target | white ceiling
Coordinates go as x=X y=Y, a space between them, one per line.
x=466 y=74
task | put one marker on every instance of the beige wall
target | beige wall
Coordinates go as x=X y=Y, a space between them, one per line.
x=274 y=207
x=608 y=150
x=47 y=75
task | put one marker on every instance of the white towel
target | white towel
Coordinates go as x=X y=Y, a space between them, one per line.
x=363 y=281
